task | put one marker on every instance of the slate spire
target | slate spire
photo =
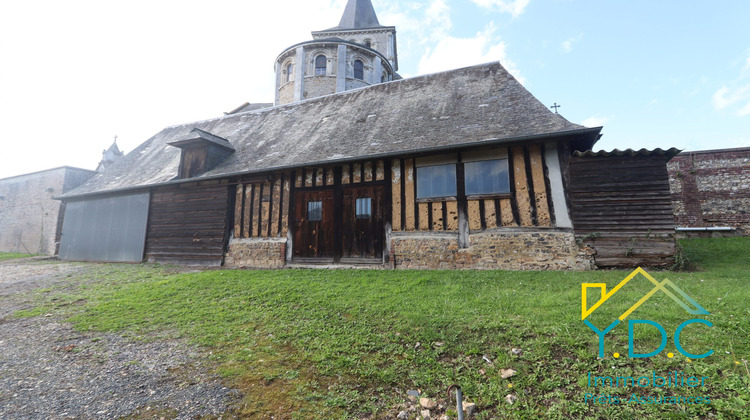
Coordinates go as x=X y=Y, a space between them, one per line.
x=359 y=14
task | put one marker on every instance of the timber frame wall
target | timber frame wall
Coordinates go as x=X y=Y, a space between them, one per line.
x=527 y=204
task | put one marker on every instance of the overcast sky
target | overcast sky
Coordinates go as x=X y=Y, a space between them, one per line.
x=76 y=73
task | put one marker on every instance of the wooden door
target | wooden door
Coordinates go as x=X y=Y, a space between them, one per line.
x=314 y=224
x=363 y=228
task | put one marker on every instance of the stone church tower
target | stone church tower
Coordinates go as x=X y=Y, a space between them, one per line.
x=358 y=52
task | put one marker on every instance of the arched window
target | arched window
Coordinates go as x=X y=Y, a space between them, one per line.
x=383 y=78
x=320 y=65
x=359 y=70
x=289 y=72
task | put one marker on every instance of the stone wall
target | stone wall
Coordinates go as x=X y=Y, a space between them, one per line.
x=711 y=188
x=503 y=249
x=256 y=253
x=316 y=86
x=29 y=216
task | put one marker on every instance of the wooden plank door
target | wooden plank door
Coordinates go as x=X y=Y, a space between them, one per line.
x=314 y=225
x=363 y=227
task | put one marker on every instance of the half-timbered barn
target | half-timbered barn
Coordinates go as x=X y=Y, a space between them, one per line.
x=460 y=169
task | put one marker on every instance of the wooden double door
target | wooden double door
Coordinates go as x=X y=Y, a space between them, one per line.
x=340 y=226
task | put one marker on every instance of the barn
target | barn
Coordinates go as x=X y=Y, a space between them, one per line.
x=459 y=169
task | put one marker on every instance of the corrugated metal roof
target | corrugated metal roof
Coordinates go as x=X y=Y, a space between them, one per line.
x=452 y=109
x=670 y=153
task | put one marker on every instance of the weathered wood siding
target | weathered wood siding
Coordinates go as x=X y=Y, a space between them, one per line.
x=528 y=203
x=621 y=206
x=188 y=224
x=262 y=207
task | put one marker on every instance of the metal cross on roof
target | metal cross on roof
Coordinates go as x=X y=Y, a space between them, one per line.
x=555 y=106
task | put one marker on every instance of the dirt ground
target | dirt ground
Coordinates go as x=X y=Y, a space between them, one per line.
x=48 y=370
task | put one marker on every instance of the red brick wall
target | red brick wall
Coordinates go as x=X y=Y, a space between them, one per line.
x=711 y=188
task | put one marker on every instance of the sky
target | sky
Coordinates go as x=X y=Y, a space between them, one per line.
x=74 y=74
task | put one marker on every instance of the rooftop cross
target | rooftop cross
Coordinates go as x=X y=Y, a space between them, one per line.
x=555 y=106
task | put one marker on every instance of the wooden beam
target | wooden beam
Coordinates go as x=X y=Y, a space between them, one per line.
x=521 y=186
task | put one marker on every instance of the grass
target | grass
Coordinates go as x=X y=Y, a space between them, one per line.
x=12 y=256
x=349 y=344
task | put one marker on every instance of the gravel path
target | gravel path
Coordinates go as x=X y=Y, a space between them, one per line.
x=50 y=371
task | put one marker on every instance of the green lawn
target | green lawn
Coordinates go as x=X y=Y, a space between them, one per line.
x=12 y=256
x=343 y=343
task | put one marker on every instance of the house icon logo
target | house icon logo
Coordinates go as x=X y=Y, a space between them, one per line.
x=690 y=305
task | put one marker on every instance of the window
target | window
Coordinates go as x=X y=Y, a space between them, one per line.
x=383 y=78
x=289 y=73
x=436 y=181
x=364 y=208
x=359 y=70
x=314 y=211
x=487 y=177
x=320 y=65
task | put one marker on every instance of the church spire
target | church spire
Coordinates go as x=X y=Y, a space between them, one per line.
x=359 y=14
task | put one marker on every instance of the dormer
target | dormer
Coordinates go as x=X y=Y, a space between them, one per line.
x=201 y=152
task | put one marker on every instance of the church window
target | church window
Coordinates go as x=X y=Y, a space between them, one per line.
x=383 y=78
x=487 y=177
x=436 y=181
x=320 y=65
x=289 y=73
x=359 y=70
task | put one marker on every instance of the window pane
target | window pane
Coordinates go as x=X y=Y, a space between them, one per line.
x=314 y=211
x=320 y=65
x=364 y=208
x=487 y=177
x=359 y=70
x=436 y=181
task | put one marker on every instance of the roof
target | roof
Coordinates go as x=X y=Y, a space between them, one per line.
x=59 y=168
x=670 y=153
x=247 y=106
x=358 y=14
x=477 y=105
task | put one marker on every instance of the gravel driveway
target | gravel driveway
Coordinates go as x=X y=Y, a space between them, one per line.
x=50 y=371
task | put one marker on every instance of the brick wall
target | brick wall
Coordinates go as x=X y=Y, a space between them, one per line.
x=504 y=249
x=711 y=188
x=256 y=253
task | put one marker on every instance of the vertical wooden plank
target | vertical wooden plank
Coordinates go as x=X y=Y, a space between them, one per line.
x=329 y=176
x=298 y=179
x=238 y=212
x=275 y=202
x=346 y=177
x=410 y=198
x=424 y=216
x=540 y=187
x=309 y=177
x=490 y=215
x=285 y=207
x=475 y=217
x=522 y=186
x=247 y=227
x=356 y=173
x=257 y=198
x=396 y=194
x=368 y=171
x=319 y=173
x=451 y=222
x=380 y=170
x=437 y=216
x=506 y=212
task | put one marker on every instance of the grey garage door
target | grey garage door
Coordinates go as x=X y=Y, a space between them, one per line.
x=105 y=229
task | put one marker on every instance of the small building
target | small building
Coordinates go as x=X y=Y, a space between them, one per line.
x=711 y=192
x=30 y=219
x=353 y=165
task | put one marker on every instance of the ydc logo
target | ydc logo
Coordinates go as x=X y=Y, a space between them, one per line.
x=665 y=286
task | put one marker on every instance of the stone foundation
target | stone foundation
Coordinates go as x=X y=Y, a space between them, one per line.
x=256 y=253
x=499 y=249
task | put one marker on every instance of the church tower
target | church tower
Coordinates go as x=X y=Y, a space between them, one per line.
x=359 y=52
